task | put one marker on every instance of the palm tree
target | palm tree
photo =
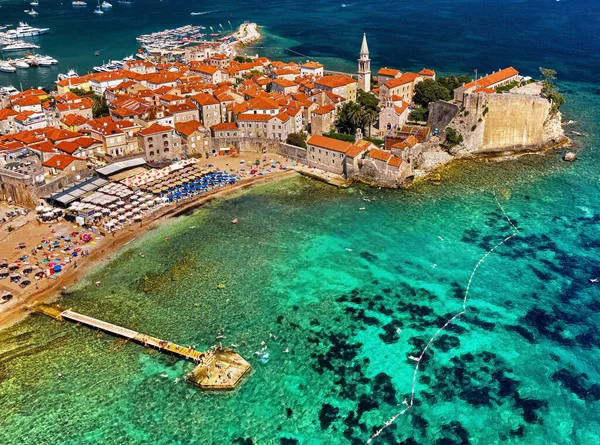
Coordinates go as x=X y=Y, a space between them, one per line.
x=370 y=116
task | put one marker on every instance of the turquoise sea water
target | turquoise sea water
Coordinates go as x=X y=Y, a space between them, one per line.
x=520 y=367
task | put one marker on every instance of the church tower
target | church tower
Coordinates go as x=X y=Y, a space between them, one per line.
x=364 y=67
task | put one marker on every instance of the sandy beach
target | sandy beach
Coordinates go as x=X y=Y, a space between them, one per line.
x=103 y=247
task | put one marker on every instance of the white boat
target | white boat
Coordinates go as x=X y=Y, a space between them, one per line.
x=42 y=61
x=20 y=64
x=106 y=5
x=70 y=74
x=24 y=30
x=34 y=3
x=79 y=3
x=19 y=46
x=32 y=12
x=98 y=9
x=8 y=91
x=6 y=68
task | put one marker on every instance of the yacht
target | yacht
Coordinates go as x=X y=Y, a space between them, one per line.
x=106 y=5
x=33 y=12
x=98 y=9
x=70 y=74
x=6 y=68
x=20 y=64
x=24 y=30
x=34 y=3
x=8 y=91
x=19 y=46
x=79 y=3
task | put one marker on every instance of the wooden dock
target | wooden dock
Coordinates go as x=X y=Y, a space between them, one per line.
x=218 y=368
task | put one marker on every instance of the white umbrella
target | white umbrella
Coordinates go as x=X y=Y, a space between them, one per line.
x=113 y=214
x=39 y=209
x=122 y=218
x=128 y=207
x=121 y=211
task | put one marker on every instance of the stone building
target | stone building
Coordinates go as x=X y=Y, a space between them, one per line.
x=160 y=143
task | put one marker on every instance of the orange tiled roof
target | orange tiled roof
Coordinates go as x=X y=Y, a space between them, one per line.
x=329 y=143
x=155 y=128
x=492 y=79
x=225 y=126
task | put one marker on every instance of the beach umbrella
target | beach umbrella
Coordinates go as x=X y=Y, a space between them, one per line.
x=106 y=211
x=128 y=207
x=121 y=211
x=39 y=209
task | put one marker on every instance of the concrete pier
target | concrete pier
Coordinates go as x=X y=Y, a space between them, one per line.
x=218 y=369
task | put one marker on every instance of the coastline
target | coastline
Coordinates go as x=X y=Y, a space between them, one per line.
x=110 y=246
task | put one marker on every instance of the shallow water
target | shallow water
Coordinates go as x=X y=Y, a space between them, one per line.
x=334 y=284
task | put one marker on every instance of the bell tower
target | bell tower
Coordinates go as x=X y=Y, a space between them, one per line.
x=364 y=67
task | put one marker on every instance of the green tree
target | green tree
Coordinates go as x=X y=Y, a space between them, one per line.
x=549 y=89
x=368 y=101
x=348 y=118
x=242 y=59
x=453 y=137
x=297 y=139
x=369 y=117
x=99 y=106
x=418 y=114
x=429 y=91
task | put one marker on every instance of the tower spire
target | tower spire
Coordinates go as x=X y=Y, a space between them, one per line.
x=364 y=49
x=364 y=66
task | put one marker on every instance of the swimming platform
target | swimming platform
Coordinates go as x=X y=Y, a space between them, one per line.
x=218 y=368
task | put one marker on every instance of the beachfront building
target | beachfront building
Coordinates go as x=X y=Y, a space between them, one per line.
x=191 y=134
x=335 y=156
x=117 y=138
x=159 y=143
x=339 y=84
x=226 y=130
x=63 y=164
x=487 y=84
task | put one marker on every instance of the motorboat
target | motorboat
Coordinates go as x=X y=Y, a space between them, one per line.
x=106 y=5
x=98 y=9
x=8 y=91
x=79 y=4
x=20 y=64
x=24 y=30
x=70 y=74
x=34 y=3
x=33 y=12
x=7 y=68
x=42 y=61
x=19 y=46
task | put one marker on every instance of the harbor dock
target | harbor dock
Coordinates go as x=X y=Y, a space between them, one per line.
x=218 y=368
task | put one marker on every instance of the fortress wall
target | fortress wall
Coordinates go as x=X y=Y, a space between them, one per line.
x=514 y=121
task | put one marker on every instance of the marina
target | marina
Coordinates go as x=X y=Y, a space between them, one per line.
x=217 y=369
